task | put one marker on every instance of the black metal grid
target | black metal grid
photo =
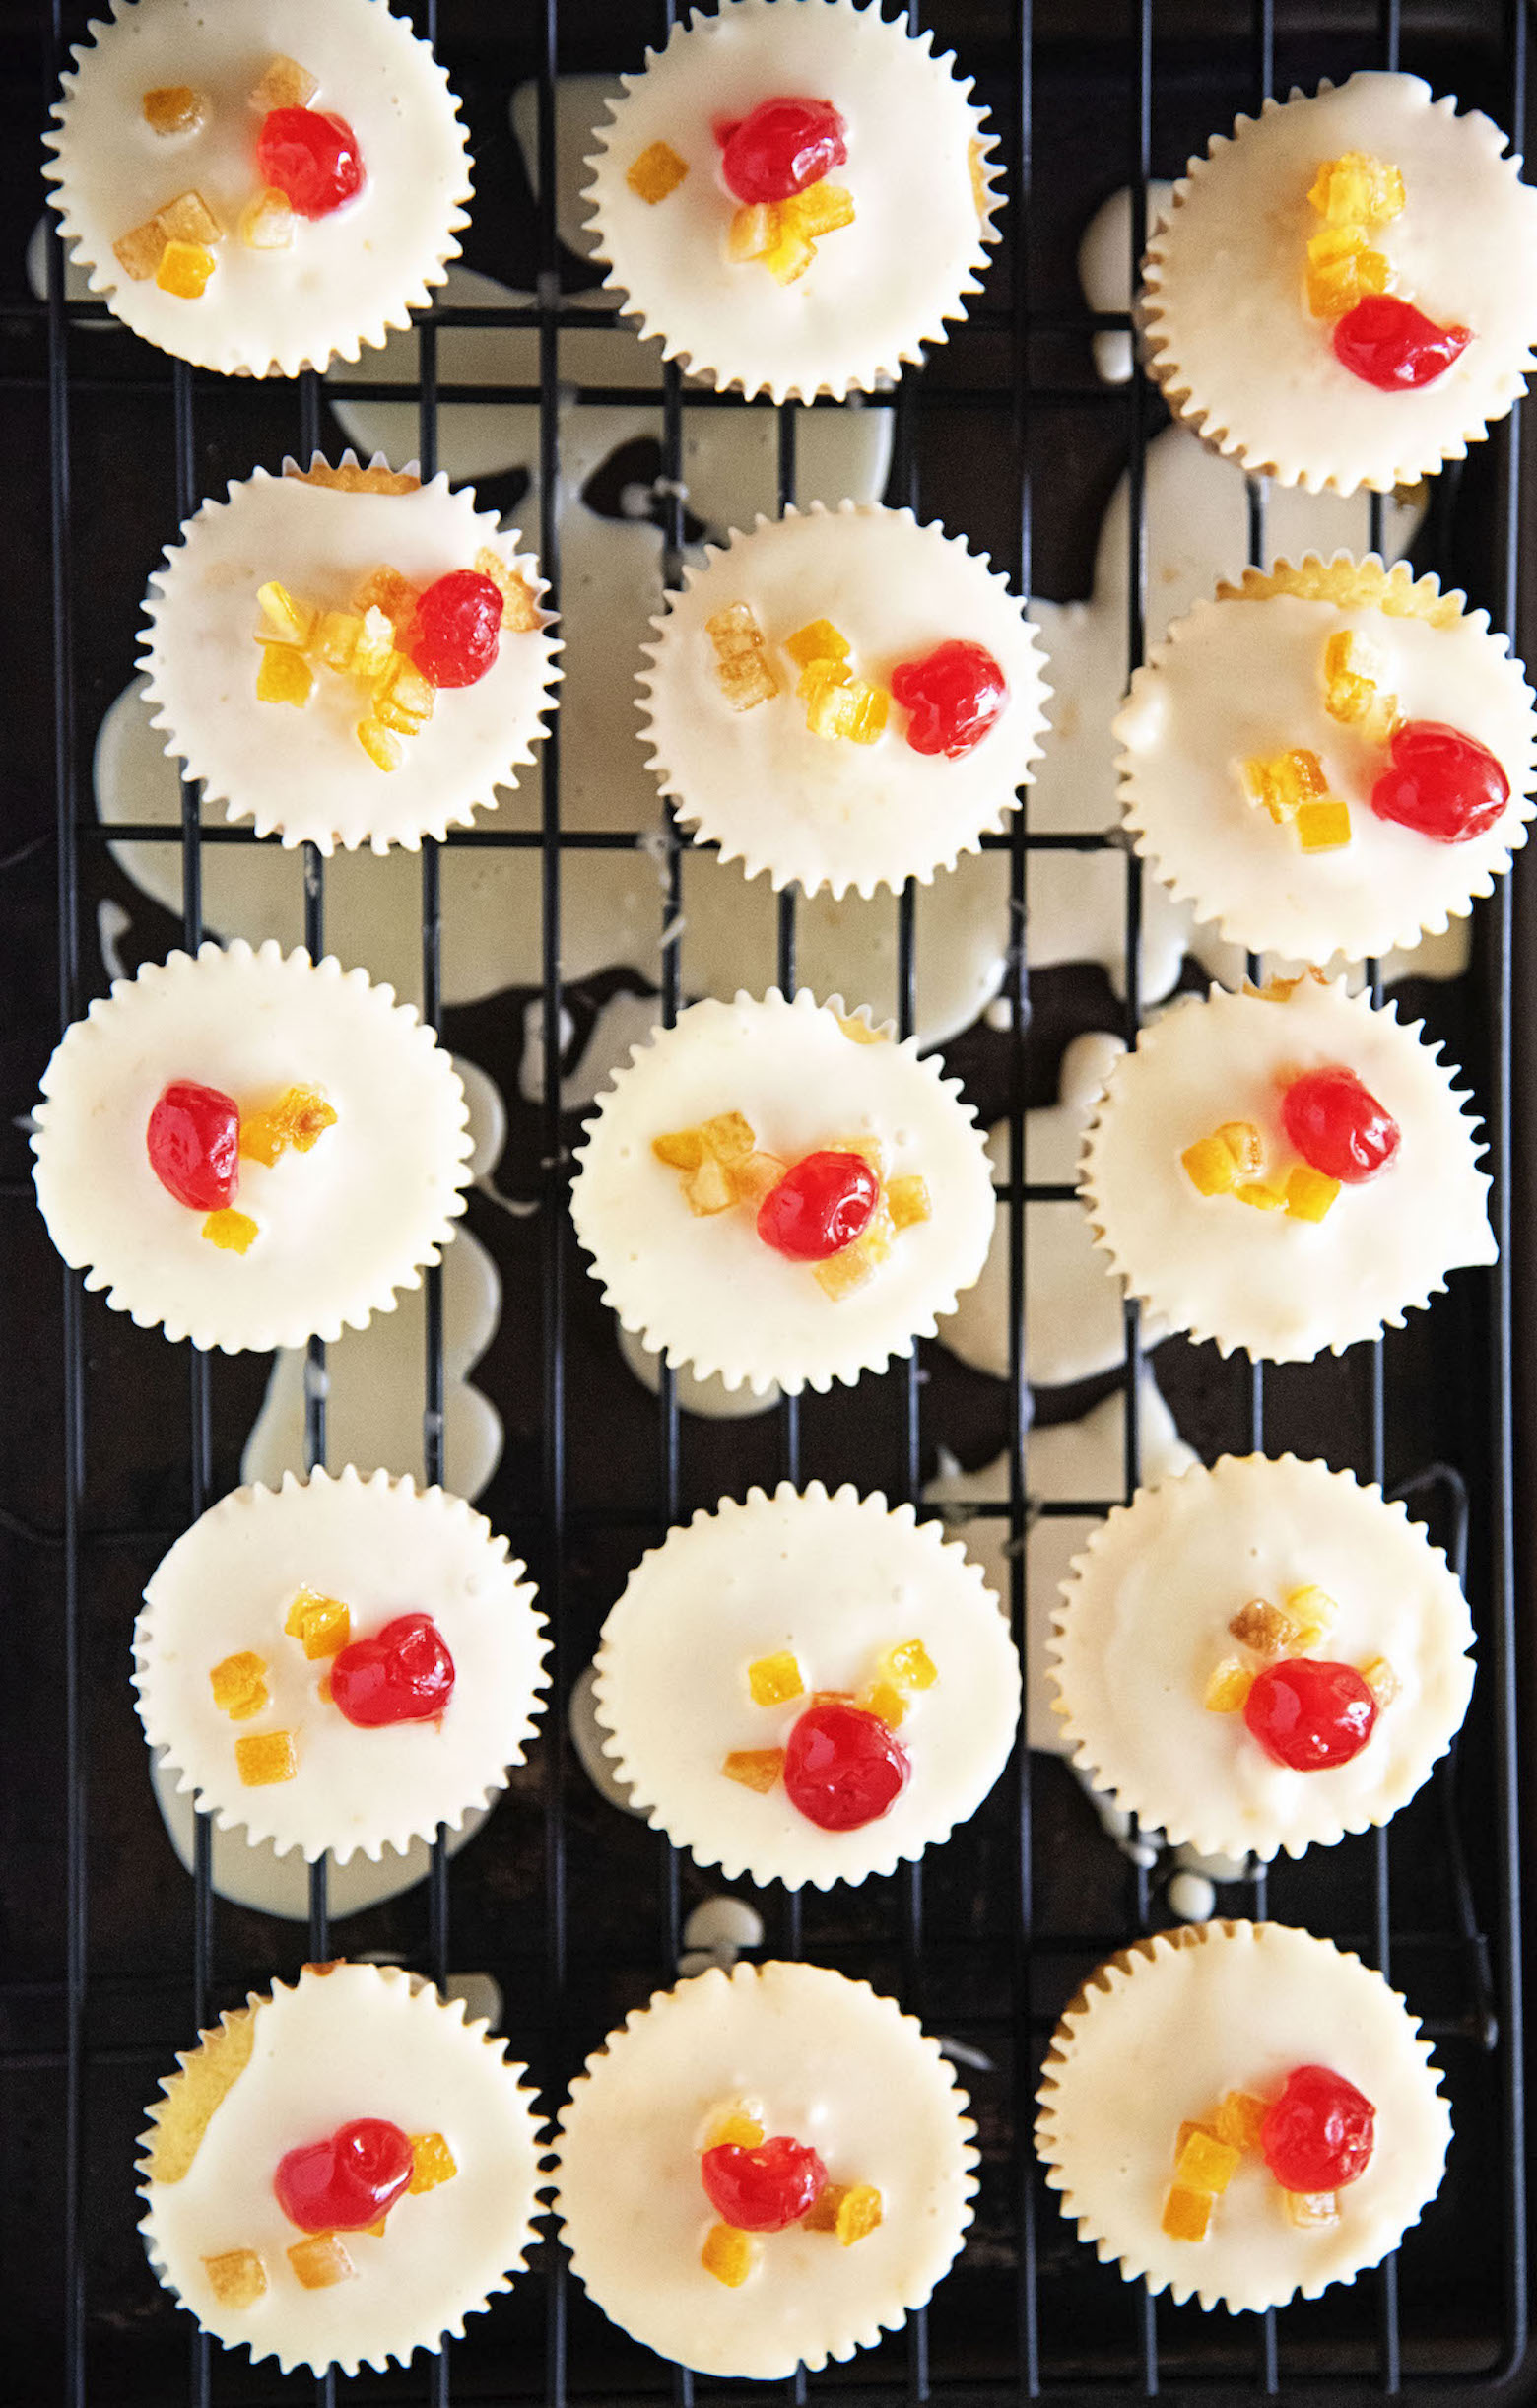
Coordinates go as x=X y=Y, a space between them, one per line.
x=1026 y=2351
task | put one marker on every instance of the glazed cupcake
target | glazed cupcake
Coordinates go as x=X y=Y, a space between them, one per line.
x=1345 y=292
x=844 y=698
x=259 y=189
x=1331 y=759
x=1284 y=1170
x=807 y=1688
x=795 y=196
x=766 y=2208
x=1239 y=2112
x=778 y=1192
x=340 y=1664
x=250 y=1149
x=348 y=656
x=1261 y=1656
x=340 y=2174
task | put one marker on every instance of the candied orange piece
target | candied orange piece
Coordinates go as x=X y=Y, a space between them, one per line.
x=289 y=618
x=184 y=270
x=385 y=589
x=266 y=224
x=1342 y=269
x=840 y=1274
x=1238 y=2120
x=382 y=745
x=734 y=2128
x=1382 y=1681
x=1209 y=1167
x=300 y=1117
x=728 y=1136
x=1245 y=1143
x=818 y=640
x=755 y=1767
x=1187 y=2212
x=285 y=84
x=234 y=1232
x=403 y=698
x=774 y=1678
x=1311 y=2210
x=321 y=2261
x=1206 y=2163
x=709 y=1190
x=1322 y=828
x=265 y=1757
x=336 y=638
x=791 y=252
x=844 y=706
x=857 y=2214
x=519 y=608
x=885 y=1701
x=1357 y=187
x=751 y=1180
x=908 y=1201
x=679 y=1149
x=376 y=644
x=1311 y=1611
x=1262 y=1626
x=236 y=2277
x=657 y=172
x=1229 y=1685
x=321 y=1625
x=138 y=252
x=1308 y=1192
x=910 y=1665
x=240 y=1685
x=727 y=2255
x=432 y=2162
x=753 y=231
x=173 y=108
x=285 y=676
x=1260 y=1196
x=1185 y=2130
x=821 y=209
x=188 y=219
x=1285 y=781
x=742 y=666
x=1353 y=672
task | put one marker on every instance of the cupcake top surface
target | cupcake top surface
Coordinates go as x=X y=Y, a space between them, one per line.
x=1240 y=1592
x=285 y=1615
x=676 y=1241
x=293 y=572
x=713 y=1662
x=350 y=1124
x=904 y=195
x=1233 y=336
x=1200 y=1192
x=1244 y=684
x=1166 y=2031
x=288 y=297
x=843 y=785
x=809 y=2056
x=348 y=2043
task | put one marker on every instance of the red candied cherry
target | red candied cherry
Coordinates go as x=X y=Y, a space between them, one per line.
x=1318 y=2135
x=404 y=1673
x=763 y=2190
x=346 y=2182
x=1442 y=783
x=193 y=1140
x=820 y=1207
x=456 y=629
x=1310 y=1715
x=1338 y=1125
x=955 y=695
x=1389 y=343
x=843 y=1766
x=780 y=148
x=311 y=155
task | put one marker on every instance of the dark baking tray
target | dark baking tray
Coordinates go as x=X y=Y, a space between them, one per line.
x=111 y=1956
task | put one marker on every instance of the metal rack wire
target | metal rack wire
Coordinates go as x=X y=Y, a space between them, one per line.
x=1279 y=2353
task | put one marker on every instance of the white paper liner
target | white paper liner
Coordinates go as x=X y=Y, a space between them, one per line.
x=1231 y=339
x=1159 y=2035
x=832 y=813
x=303 y=774
x=878 y=289
x=341 y=1229
x=360 y=2039
x=1282 y=1288
x=383 y=1548
x=838 y=1580
x=708 y=1291
x=1143 y=1622
x=346 y=279
x=830 y=2063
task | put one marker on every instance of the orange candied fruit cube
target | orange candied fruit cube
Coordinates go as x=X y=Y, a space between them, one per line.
x=291 y=620
x=752 y=230
x=1262 y=1626
x=907 y=1199
x=791 y=252
x=818 y=640
x=240 y=1685
x=385 y=589
x=1285 y=781
x=741 y=667
x=372 y=652
x=755 y=1767
x=1312 y=2211
x=1240 y=2117
x=300 y=1117
x=734 y=2128
x=335 y=638
x=403 y=698
x=1356 y=189
x=1322 y=828
x=321 y=1625
x=1311 y=1612
x=1245 y=1143
x=1343 y=268
x=519 y=608
x=139 y=251
x=1309 y=1194
x=184 y=270
x=285 y=676
x=1191 y=2124
x=840 y=705
x=173 y=108
x=1187 y=2212
x=266 y=1758
x=432 y=2162
x=1209 y=1167
x=1382 y=1681
x=1229 y=1685
x=320 y=2260
x=266 y=223
x=773 y=1679
x=753 y=1180
x=234 y=1232
x=657 y=172
x=910 y=1665
x=237 y=2278
x=382 y=745
x=1260 y=1196
x=188 y=219
x=843 y=1273
x=857 y=2213
x=1206 y=2162
x=887 y=1703
x=727 y=2255
x=284 y=84
x=821 y=209
x=1353 y=671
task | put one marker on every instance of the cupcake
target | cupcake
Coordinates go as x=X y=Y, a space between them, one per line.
x=844 y=698
x=1330 y=758
x=249 y=1149
x=341 y=2172
x=340 y=1664
x=735 y=2185
x=807 y=1688
x=259 y=189
x=347 y=656
x=1345 y=292
x=1284 y=1170
x=1239 y=2112
x=777 y=1191
x=794 y=196
x=1261 y=1656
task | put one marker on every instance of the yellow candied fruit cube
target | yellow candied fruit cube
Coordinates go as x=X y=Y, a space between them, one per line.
x=755 y=1767
x=285 y=676
x=519 y=608
x=657 y=172
x=751 y=1180
x=289 y=618
x=887 y=1703
x=734 y=630
x=237 y=2278
x=173 y=108
x=908 y=1201
x=910 y=1665
x=753 y=232
x=188 y=219
x=240 y=1685
x=1228 y=1686
x=1382 y=1681
x=265 y=1757
x=1262 y=1626
x=857 y=2214
x=774 y=1678
x=790 y=253
x=1349 y=654
x=336 y=638
x=138 y=252
x=321 y=2261
x=709 y=1189
x=1322 y=828
x=843 y=1273
x=727 y=2255
x=1206 y=2163
x=728 y=1136
x=382 y=745
x=1260 y=1196
x=300 y=1118
x=234 y=1232
x=747 y=681
x=679 y=1149
x=1336 y=288
x=1210 y=1168
x=1191 y=2124
x=375 y=646
x=266 y=224
x=1309 y=1194
x=1187 y=2212
x=1245 y=1143
x=1312 y=2211
x=1357 y=187
x=734 y=2128
x=432 y=2162
x=403 y=698
x=284 y=84
x=856 y=710
x=321 y=1625
x=1240 y=2117
x=1311 y=1611
x=184 y=270
x=818 y=640
x=1285 y=781
x=819 y=677
x=385 y=589
x=821 y=209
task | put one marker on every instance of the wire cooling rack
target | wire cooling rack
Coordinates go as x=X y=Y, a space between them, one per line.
x=113 y=1958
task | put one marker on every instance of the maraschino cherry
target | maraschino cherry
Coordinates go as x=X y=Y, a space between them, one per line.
x=1387 y=342
x=1338 y=1125
x=348 y=2181
x=454 y=634
x=310 y=155
x=955 y=693
x=764 y=2189
x=1318 y=2135
x=1441 y=783
x=780 y=148
x=843 y=1766
x=404 y=1673
x=193 y=1140
x=820 y=1207
x=1310 y=1715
